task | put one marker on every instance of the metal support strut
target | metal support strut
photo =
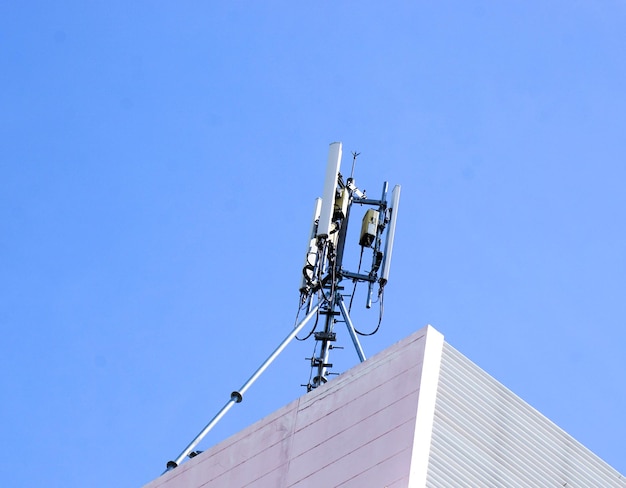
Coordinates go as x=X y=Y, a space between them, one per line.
x=351 y=329
x=321 y=362
x=237 y=396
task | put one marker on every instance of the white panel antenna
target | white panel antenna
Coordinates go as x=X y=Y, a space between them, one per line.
x=391 y=233
x=330 y=188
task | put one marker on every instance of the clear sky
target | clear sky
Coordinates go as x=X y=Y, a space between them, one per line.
x=159 y=165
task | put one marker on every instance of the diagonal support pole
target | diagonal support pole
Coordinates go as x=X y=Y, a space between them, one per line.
x=351 y=329
x=237 y=396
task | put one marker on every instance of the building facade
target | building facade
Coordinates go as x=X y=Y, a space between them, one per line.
x=418 y=414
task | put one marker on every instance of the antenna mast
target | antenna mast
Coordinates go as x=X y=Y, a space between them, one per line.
x=321 y=293
x=324 y=270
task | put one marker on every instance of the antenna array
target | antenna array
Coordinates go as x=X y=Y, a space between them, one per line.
x=323 y=269
x=321 y=293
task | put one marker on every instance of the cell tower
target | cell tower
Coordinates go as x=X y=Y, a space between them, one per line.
x=323 y=268
x=321 y=293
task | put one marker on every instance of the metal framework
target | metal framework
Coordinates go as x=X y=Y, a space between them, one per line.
x=321 y=293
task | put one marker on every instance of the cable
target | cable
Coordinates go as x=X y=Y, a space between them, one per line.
x=320 y=270
x=317 y=317
x=355 y=280
x=380 y=316
x=308 y=385
x=333 y=272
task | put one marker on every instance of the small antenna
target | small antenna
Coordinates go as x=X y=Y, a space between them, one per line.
x=354 y=156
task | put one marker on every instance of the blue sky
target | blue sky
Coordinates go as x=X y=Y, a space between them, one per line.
x=158 y=171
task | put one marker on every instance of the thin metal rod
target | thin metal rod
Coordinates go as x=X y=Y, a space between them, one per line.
x=370 y=292
x=277 y=351
x=351 y=330
x=354 y=156
x=357 y=276
x=237 y=396
x=368 y=201
x=173 y=464
x=380 y=225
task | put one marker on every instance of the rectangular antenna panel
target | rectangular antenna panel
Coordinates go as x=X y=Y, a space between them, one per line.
x=330 y=188
x=391 y=233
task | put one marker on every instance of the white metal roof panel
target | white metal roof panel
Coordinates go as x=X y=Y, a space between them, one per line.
x=485 y=436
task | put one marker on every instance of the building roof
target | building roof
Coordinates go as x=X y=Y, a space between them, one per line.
x=417 y=414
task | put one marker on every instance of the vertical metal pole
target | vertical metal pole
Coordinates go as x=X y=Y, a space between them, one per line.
x=370 y=291
x=237 y=396
x=334 y=268
x=381 y=219
x=325 y=339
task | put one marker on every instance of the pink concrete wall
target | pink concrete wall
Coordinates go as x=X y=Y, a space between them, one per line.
x=356 y=431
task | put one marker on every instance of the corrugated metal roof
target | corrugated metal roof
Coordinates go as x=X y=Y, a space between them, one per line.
x=485 y=436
